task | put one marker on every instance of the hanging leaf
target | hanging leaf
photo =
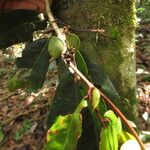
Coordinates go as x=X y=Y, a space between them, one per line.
x=18 y=26
x=96 y=120
x=104 y=142
x=30 y=53
x=67 y=94
x=40 y=69
x=111 y=115
x=65 y=132
x=81 y=65
x=95 y=98
x=109 y=134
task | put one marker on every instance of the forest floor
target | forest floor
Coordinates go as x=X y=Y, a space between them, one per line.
x=23 y=114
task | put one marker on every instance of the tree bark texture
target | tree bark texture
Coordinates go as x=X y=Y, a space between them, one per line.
x=116 y=53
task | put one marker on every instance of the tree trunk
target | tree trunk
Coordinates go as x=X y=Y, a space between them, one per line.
x=114 y=51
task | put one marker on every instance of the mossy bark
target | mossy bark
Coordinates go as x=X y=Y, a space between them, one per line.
x=116 y=53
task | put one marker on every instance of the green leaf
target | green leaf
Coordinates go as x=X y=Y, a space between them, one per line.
x=125 y=136
x=108 y=136
x=81 y=65
x=113 y=140
x=31 y=53
x=102 y=108
x=95 y=98
x=73 y=41
x=104 y=142
x=83 y=104
x=119 y=126
x=111 y=115
x=65 y=132
x=55 y=46
x=18 y=26
x=40 y=69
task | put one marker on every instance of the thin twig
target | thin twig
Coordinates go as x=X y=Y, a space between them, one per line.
x=88 y=83
x=52 y=20
x=99 y=31
x=55 y=26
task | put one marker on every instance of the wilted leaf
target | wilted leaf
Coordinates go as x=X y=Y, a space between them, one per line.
x=65 y=132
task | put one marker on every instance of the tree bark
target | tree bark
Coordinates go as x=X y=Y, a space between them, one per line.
x=116 y=53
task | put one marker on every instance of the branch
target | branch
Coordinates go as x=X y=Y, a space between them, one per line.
x=54 y=25
x=87 y=82
x=109 y=102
